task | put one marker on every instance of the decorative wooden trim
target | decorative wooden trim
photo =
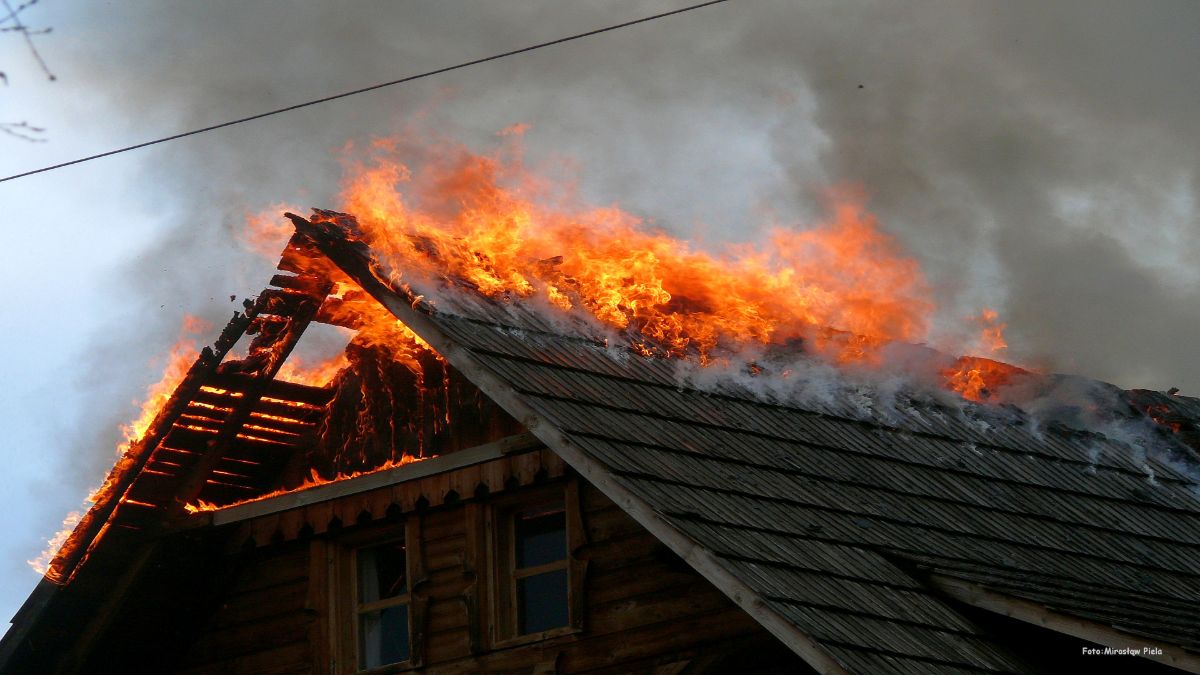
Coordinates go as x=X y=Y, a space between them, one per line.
x=1039 y=615
x=372 y=481
x=495 y=476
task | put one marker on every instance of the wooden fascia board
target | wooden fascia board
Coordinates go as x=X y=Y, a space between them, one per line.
x=700 y=558
x=359 y=484
x=1039 y=615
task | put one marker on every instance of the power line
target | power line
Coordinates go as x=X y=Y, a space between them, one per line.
x=402 y=80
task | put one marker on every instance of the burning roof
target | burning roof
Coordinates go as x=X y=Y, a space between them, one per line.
x=829 y=516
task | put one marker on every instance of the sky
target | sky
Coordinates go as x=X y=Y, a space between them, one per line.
x=1040 y=160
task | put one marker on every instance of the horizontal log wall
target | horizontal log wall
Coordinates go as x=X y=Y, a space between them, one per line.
x=645 y=609
x=262 y=624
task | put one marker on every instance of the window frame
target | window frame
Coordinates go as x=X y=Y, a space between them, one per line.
x=347 y=608
x=500 y=527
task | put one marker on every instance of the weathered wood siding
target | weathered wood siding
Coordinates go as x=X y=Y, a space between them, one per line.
x=262 y=625
x=644 y=609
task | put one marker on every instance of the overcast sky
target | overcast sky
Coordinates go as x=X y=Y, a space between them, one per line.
x=1042 y=161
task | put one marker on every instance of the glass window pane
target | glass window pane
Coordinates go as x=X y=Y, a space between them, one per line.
x=381 y=572
x=541 y=537
x=383 y=637
x=542 y=602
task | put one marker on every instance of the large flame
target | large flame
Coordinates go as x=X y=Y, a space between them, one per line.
x=841 y=288
x=485 y=220
x=179 y=358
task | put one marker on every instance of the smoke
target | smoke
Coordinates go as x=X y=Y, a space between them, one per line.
x=1039 y=160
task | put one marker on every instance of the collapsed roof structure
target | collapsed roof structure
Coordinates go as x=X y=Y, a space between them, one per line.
x=930 y=541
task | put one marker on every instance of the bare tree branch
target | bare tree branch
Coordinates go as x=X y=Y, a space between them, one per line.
x=14 y=17
x=10 y=22
x=23 y=130
x=12 y=13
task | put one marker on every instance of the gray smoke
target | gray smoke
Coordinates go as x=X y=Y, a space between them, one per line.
x=1039 y=160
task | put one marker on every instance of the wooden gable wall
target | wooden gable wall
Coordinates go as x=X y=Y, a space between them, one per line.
x=644 y=609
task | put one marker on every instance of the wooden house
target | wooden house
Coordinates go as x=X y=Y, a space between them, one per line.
x=566 y=506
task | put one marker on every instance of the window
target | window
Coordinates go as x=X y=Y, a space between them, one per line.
x=539 y=571
x=537 y=582
x=382 y=619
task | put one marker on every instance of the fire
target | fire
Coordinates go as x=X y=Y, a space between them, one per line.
x=487 y=222
x=178 y=360
x=180 y=357
x=265 y=233
x=318 y=374
x=991 y=335
x=314 y=479
x=843 y=288
x=41 y=564
x=976 y=378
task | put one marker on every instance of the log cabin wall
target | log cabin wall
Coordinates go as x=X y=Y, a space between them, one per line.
x=642 y=608
x=264 y=621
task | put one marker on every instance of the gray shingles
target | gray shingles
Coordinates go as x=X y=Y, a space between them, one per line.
x=904 y=540
x=811 y=510
x=837 y=627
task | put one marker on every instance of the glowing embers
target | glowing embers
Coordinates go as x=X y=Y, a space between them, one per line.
x=385 y=401
x=274 y=433
x=313 y=479
x=979 y=379
x=389 y=403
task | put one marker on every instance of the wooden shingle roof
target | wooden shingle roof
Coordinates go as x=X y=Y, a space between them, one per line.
x=857 y=542
x=846 y=538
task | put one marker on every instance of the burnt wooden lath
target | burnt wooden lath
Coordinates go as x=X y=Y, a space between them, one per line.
x=847 y=539
x=195 y=447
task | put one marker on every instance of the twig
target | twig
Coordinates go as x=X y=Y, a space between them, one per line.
x=14 y=15
x=23 y=130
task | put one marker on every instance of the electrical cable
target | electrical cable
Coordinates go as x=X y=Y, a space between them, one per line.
x=363 y=90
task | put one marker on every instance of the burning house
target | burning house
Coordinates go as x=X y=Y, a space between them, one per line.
x=484 y=481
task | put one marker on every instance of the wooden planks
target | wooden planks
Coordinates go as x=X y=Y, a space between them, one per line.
x=642 y=605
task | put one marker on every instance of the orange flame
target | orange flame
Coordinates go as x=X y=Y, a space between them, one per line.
x=977 y=379
x=318 y=374
x=991 y=336
x=41 y=564
x=179 y=359
x=265 y=233
x=313 y=480
x=476 y=218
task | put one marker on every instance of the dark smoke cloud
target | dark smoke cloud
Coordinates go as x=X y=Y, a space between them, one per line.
x=1040 y=160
